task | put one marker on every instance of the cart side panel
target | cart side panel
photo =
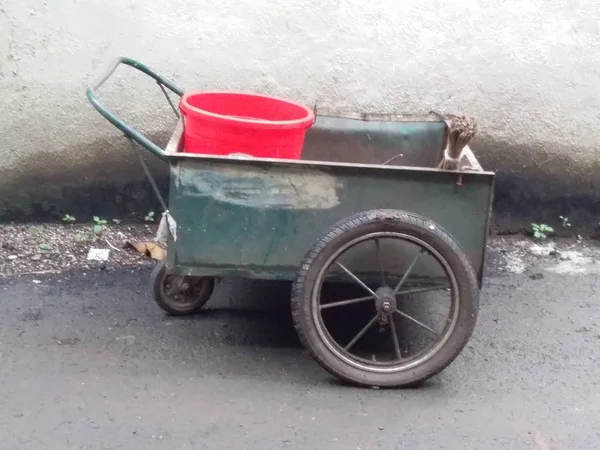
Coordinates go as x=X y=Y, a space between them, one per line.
x=416 y=142
x=258 y=219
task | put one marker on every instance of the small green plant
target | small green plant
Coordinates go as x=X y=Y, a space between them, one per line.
x=565 y=221
x=47 y=246
x=99 y=225
x=116 y=221
x=149 y=217
x=83 y=237
x=69 y=218
x=540 y=230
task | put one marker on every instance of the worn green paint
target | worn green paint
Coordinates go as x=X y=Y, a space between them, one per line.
x=222 y=230
x=420 y=141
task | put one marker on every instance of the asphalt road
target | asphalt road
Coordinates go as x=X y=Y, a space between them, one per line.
x=87 y=361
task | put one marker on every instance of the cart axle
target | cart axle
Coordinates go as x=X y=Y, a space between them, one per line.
x=385 y=302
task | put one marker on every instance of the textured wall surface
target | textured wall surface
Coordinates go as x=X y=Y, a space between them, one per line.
x=528 y=70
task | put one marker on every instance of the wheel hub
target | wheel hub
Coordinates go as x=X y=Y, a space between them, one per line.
x=178 y=288
x=385 y=302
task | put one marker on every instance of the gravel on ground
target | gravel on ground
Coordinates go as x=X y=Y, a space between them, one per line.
x=54 y=248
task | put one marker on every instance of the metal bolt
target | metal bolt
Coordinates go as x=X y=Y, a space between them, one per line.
x=386 y=306
x=185 y=286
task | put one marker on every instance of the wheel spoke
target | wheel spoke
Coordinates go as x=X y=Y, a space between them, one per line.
x=407 y=273
x=395 y=338
x=361 y=332
x=377 y=246
x=422 y=289
x=346 y=302
x=431 y=330
x=355 y=278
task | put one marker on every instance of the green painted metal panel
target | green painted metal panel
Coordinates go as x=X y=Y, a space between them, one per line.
x=420 y=140
x=258 y=218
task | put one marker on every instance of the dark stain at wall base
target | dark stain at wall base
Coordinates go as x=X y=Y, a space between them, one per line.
x=111 y=184
x=129 y=201
x=520 y=198
x=539 y=182
x=515 y=208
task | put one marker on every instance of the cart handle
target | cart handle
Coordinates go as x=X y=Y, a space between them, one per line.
x=127 y=129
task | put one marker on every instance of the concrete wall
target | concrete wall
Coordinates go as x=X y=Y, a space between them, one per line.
x=528 y=70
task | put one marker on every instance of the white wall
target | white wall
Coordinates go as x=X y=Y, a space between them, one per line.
x=527 y=70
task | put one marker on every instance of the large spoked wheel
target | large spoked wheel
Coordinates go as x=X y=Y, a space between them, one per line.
x=385 y=342
x=180 y=295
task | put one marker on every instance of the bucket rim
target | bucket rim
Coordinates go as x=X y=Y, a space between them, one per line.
x=304 y=122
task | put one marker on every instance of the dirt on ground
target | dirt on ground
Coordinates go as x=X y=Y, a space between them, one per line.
x=48 y=248
x=56 y=247
x=515 y=254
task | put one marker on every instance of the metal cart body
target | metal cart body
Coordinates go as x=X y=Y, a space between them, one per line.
x=279 y=219
x=257 y=218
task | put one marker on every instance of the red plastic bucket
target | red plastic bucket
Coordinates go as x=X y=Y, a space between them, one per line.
x=221 y=123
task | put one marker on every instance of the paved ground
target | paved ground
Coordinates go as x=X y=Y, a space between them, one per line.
x=87 y=361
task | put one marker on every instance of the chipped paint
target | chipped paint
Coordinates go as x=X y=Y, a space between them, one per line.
x=255 y=187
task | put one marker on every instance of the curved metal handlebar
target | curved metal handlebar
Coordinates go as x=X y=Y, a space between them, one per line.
x=127 y=129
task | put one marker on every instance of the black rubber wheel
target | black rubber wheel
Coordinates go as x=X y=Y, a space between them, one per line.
x=399 y=371
x=180 y=295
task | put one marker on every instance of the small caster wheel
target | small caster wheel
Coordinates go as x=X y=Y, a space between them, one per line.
x=180 y=295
